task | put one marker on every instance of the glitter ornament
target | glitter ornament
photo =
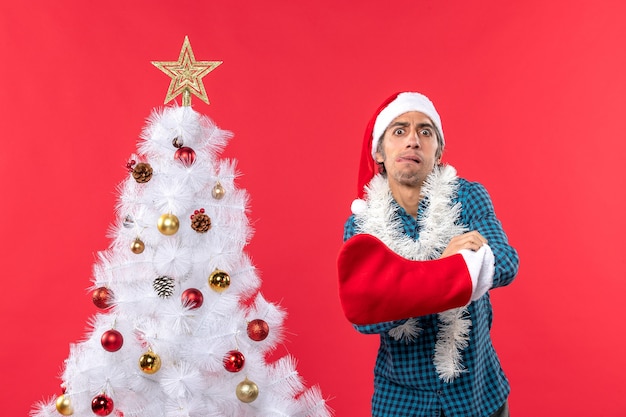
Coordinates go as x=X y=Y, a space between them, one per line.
x=218 y=191
x=247 y=391
x=219 y=280
x=137 y=246
x=185 y=155
x=168 y=224
x=177 y=142
x=128 y=222
x=186 y=75
x=234 y=361
x=102 y=297
x=112 y=340
x=258 y=330
x=64 y=406
x=200 y=222
x=192 y=298
x=150 y=362
x=102 y=405
x=164 y=286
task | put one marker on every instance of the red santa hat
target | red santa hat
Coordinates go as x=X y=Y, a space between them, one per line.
x=391 y=108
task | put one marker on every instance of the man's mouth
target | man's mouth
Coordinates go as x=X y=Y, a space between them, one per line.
x=409 y=158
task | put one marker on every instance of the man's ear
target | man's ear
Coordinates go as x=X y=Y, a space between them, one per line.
x=379 y=158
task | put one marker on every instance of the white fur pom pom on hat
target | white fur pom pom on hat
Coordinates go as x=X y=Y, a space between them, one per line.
x=358 y=206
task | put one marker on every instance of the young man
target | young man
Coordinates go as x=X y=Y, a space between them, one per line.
x=421 y=250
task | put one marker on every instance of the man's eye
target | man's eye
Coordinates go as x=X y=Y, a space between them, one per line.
x=399 y=131
x=426 y=132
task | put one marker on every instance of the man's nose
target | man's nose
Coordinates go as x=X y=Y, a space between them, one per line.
x=413 y=140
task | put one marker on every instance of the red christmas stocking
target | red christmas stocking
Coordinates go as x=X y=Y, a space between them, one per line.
x=378 y=285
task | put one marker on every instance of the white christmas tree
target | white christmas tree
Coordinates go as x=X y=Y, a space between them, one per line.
x=183 y=330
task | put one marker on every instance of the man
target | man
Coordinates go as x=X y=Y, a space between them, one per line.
x=421 y=250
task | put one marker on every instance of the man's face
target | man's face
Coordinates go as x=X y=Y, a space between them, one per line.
x=409 y=149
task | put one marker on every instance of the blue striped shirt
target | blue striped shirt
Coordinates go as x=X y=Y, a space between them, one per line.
x=405 y=379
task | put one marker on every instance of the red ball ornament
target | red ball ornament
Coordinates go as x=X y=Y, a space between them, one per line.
x=192 y=298
x=102 y=405
x=112 y=340
x=258 y=330
x=102 y=297
x=185 y=155
x=234 y=361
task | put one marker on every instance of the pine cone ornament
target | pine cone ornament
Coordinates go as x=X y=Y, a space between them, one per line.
x=200 y=222
x=142 y=172
x=164 y=286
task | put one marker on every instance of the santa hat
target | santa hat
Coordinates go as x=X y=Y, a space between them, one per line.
x=391 y=108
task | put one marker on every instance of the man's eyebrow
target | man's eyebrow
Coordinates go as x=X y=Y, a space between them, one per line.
x=401 y=124
x=405 y=124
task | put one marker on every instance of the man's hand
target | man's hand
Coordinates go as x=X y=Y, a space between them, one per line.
x=470 y=240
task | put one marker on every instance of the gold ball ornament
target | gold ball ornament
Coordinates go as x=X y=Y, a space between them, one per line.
x=64 y=406
x=137 y=246
x=168 y=224
x=219 y=280
x=150 y=362
x=218 y=191
x=247 y=391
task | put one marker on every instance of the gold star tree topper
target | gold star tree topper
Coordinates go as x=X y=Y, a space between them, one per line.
x=186 y=75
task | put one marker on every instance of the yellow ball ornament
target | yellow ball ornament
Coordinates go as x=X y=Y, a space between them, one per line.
x=150 y=362
x=247 y=391
x=168 y=224
x=137 y=246
x=218 y=191
x=219 y=280
x=64 y=406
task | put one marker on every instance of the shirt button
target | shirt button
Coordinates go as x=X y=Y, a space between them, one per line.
x=439 y=393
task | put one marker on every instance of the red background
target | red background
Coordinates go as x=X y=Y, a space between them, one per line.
x=532 y=96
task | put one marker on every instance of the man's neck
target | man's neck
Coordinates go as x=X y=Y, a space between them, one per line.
x=407 y=197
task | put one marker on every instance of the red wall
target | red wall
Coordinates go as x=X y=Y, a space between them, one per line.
x=532 y=96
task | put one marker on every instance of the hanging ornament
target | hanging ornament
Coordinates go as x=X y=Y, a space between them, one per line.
x=142 y=172
x=234 y=361
x=150 y=362
x=128 y=221
x=218 y=191
x=102 y=297
x=137 y=246
x=177 y=142
x=219 y=280
x=168 y=224
x=247 y=391
x=64 y=405
x=200 y=222
x=102 y=405
x=185 y=155
x=112 y=340
x=192 y=298
x=258 y=330
x=164 y=286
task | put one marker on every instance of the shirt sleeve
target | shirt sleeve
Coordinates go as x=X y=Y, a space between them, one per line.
x=479 y=215
x=349 y=228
